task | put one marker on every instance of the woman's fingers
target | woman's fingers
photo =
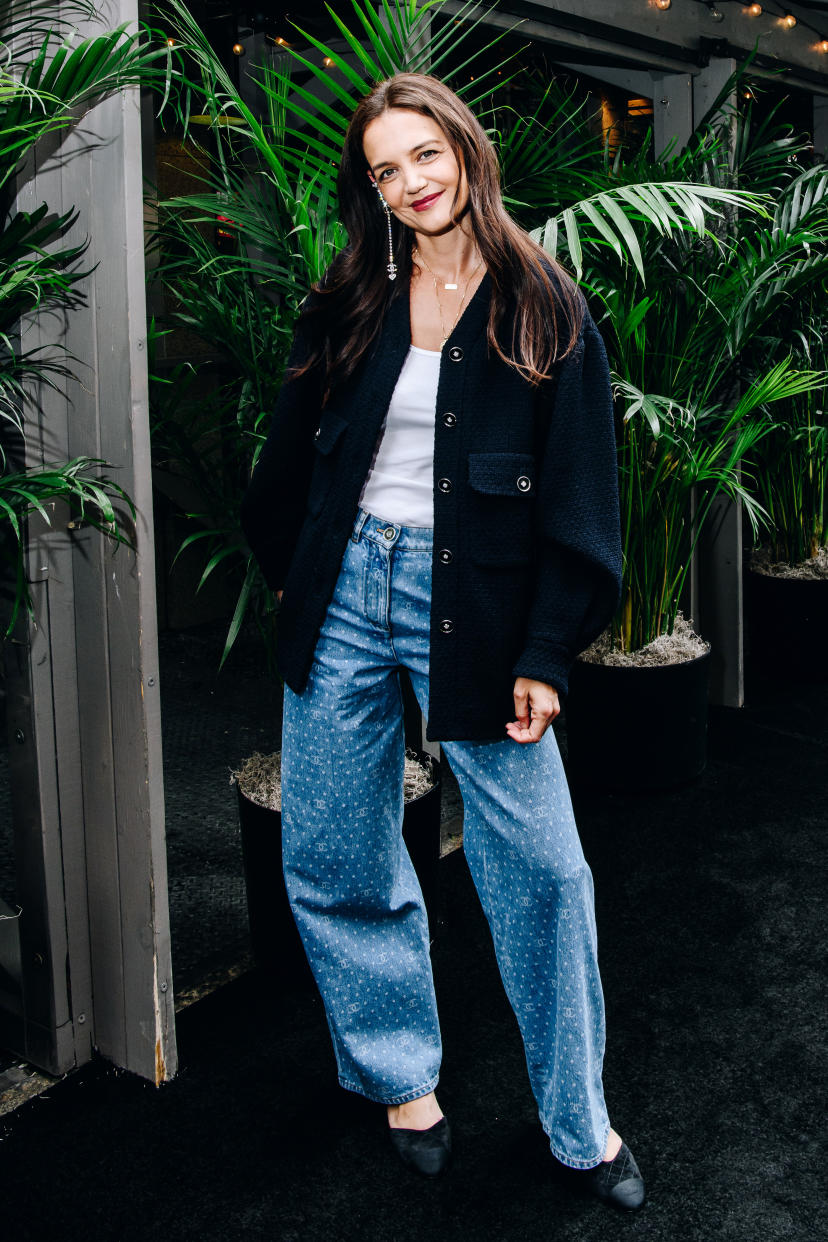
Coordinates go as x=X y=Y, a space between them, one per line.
x=521 y=697
x=536 y=706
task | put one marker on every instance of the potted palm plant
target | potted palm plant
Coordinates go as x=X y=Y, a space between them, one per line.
x=787 y=574
x=638 y=704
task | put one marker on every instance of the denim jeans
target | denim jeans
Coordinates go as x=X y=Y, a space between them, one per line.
x=353 y=890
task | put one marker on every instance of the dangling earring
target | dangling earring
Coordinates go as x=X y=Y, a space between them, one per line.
x=391 y=265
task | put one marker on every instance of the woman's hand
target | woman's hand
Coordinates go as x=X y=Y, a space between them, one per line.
x=536 y=706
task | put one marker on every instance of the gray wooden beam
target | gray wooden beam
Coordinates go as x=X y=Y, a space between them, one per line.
x=92 y=666
x=718 y=608
x=820 y=127
x=672 y=112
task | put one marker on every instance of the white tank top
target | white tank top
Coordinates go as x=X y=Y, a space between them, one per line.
x=400 y=483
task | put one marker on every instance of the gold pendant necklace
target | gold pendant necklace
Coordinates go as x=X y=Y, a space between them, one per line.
x=471 y=276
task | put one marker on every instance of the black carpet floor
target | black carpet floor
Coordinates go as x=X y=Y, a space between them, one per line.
x=712 y=933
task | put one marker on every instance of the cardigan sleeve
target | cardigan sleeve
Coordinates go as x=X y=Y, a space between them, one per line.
x=273 y=507
x=578 y=538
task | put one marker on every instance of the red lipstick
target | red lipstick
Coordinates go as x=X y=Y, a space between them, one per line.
x=422 y=204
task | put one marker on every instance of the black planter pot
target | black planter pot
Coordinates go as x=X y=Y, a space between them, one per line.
x=637 y=728
x=787 y=621
x=277 y=947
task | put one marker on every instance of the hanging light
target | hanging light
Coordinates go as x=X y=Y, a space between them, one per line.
x=789 y=20
x=663 y=4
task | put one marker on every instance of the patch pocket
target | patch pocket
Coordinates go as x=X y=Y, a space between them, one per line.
x=326 y=439
x=502 y=485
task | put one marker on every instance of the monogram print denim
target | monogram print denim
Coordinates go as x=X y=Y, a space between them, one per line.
x=354 y=892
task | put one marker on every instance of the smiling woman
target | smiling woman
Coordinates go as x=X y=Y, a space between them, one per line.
x=438 y=493
x=421 y=180
x=413 y=140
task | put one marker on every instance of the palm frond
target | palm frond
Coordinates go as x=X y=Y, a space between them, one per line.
x=611 y=214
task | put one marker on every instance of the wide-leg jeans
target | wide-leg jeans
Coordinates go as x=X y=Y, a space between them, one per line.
x=353 y=889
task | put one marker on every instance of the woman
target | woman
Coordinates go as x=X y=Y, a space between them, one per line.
x=438 y=493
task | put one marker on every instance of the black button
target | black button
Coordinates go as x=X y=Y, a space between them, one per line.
x=456 y=353
x=447 y=627
x=524 y=483
x=450 y=420
x=445 y=486
x=445 y=555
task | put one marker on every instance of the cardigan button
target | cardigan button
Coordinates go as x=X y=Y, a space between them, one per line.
x=450 y=420
x=447 y=627
x=445 y=555
x=456 y=353
x=524 y=483
x=444 y=486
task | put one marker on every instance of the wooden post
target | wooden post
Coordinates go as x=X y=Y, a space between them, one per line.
x=719 y=608
x=87 y=780
x=672 y=112
x=821 y=126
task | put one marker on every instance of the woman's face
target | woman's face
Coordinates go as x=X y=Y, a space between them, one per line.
x=413 y=164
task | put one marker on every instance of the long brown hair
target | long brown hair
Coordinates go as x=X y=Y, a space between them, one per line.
x=346 y=318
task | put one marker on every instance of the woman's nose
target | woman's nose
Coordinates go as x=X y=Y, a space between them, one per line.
x=415 y=180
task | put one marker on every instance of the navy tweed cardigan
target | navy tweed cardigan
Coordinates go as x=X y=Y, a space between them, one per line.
x=525 y=503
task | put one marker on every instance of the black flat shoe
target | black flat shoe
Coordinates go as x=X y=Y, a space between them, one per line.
x=618 y=1181
x=427 y=1151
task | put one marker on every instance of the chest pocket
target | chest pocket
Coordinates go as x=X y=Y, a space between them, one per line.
x=502 y=486
x=326 y=441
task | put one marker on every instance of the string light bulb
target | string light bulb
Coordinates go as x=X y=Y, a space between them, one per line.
x=716 y=13
x=822 y=46
x=755 y=10
x=238 y=49
x=789 y=20
x=663 y=4
x=327 y=62
x=171 y=42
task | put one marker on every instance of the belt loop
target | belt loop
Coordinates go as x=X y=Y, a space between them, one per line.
x=362 y=518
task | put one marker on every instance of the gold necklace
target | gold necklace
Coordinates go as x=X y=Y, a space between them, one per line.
x=471 y=276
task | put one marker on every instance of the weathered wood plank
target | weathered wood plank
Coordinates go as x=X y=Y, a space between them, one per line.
x=89 y=788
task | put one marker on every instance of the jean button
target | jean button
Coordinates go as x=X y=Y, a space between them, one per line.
x=389 y=532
